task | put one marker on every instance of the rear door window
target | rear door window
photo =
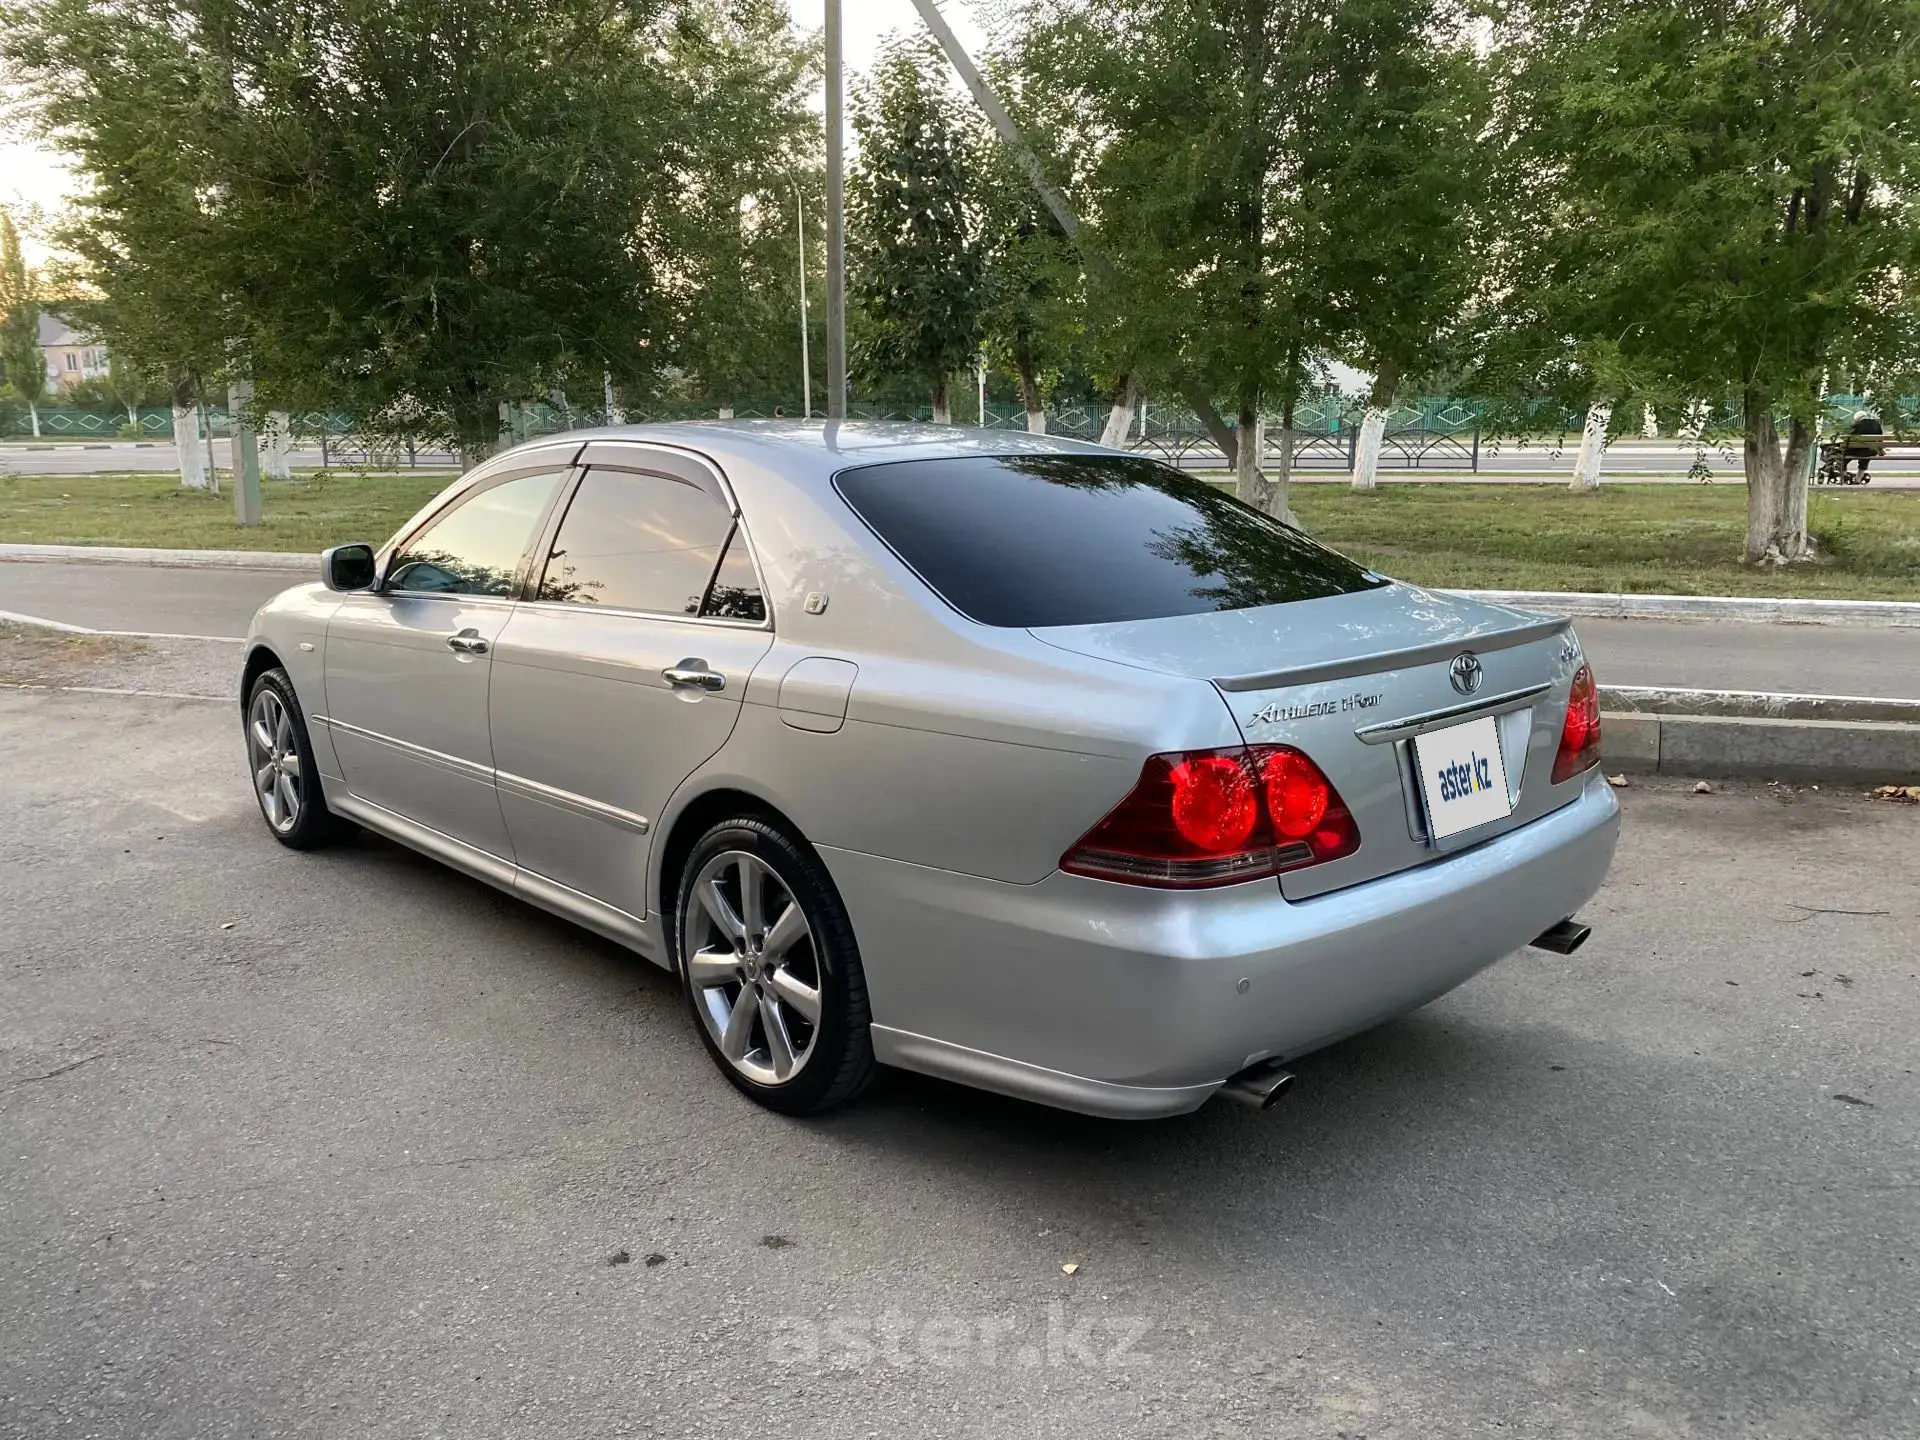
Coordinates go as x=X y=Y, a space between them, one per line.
x=1039 y=540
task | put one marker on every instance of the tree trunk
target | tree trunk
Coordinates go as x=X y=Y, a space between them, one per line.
x=1279 y=496
x=1217 y=428
x=33 y=410
x=186 y=443
x=1120 y=418
x=276 y=459
x=1776 y=487
x=213 y=460
x=942 y=403
x=1373 y=428
x=133 y=417
x=1593 y=445
x=1366 y=452
x=1250 y=444
x=1030 y=394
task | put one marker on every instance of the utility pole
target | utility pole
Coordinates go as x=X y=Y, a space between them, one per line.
x=836 y=222
x=800 y=239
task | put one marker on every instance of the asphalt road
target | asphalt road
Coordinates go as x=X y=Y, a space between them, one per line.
x=1821 y=660
x=346 y=1145
x=1660 y=460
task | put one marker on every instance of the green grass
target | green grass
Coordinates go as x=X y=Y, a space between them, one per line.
x=1658 y=539
x=308 y=513
x=1670 y=539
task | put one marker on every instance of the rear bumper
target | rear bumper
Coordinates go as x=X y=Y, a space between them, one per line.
x=1124 y=1001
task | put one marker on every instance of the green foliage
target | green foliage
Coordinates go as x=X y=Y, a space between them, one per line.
x=415 y=209
x=753 y=159
x=914 y=259
x=22 y=363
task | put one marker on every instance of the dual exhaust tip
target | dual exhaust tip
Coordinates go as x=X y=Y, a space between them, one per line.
x=1261 y=1086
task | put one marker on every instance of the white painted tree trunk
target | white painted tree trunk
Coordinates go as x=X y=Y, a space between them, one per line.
x=276 y=446
x=34 y=411
x=1593 y=445
x=1120 y=417
x=1366 y=454
x=1036 y=422
x=1649 y=423
x=186 y=441
x=613 y=410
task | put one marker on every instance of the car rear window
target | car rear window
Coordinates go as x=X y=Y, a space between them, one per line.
x=1036 y=540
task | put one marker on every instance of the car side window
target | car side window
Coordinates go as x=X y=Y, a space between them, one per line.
x=735 y=592
x=636 y=542
x=475 y=548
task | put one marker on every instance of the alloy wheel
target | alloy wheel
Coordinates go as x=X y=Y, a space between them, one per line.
x=752 y=967
x=277 y=780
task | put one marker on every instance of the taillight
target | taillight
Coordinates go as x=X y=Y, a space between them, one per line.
x=1215 y=817
x=1580 y=736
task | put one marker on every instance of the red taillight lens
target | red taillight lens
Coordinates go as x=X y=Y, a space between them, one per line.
x=1297 y=794
x=1213 y=803
x=1215 y=817
x=1580 y=736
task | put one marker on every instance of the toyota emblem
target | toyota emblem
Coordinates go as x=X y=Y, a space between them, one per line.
x=1465 y=672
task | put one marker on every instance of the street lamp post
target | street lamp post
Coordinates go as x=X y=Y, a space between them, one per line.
x=836 y=224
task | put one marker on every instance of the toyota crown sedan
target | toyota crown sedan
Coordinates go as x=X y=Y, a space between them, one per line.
x=1007 y=759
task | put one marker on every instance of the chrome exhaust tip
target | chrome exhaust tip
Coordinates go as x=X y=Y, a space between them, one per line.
x=1258 y=1085
x=1564 y=938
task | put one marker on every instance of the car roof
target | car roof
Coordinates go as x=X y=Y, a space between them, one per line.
x=823 y=447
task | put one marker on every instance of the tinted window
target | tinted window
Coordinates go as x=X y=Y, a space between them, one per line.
x=636 y=542
x=1084 y=539
x=735 y=594
x=475 y=548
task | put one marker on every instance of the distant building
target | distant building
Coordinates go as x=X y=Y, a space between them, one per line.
x=71 y=355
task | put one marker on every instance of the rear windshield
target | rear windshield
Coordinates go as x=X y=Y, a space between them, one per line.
x=1039 y=540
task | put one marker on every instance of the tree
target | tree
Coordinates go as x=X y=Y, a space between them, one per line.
x=915 y=262
x=21 y=360
x=1247 y=169
x=1397 y=168
x=1724 y=201
x=416 y=210
x=1033 y=299
x=730 y=247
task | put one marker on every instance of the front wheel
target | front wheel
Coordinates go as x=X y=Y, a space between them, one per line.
x=769 y=966
x=286 y=782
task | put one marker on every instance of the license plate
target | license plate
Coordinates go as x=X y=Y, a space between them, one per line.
x=1462 y=776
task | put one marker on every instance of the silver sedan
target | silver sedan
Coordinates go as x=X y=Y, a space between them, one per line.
x=1007 y=759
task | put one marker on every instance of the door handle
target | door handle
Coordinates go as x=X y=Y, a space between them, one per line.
x=468 y=642
x=694 y=675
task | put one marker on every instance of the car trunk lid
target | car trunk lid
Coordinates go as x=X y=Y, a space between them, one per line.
x=1355 y=681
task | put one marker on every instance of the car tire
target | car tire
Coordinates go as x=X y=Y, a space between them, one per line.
x=290 y=797
x=729 y=948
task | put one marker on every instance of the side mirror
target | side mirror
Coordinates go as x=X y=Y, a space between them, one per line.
x=348 y=567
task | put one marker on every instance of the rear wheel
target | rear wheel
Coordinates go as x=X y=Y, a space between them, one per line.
x=286 y=782
x=768 y=962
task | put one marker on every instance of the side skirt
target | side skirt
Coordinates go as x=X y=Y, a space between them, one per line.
x=550 y=895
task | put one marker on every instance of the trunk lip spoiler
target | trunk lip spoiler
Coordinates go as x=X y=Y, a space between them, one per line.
x=1415 y=725
x=1425 y=654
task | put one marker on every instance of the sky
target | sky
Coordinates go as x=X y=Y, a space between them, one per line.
x=33 y=176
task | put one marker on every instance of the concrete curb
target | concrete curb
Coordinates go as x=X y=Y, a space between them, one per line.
x=169 y=559
x=1750 y=609
x=1748 y=734
x=1856 y=752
